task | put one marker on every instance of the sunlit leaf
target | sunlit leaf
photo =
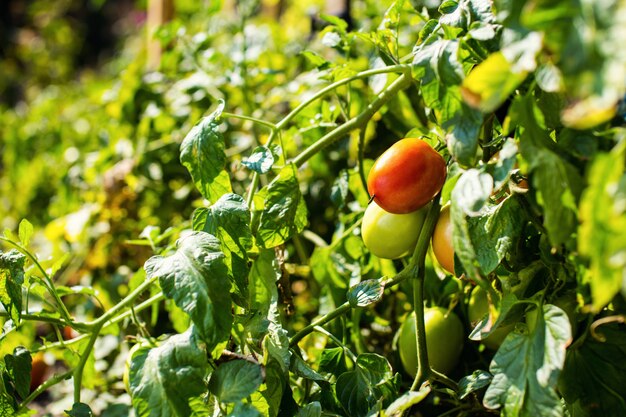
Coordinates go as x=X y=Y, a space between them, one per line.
x=284 y=213
x=11 y=280
x=202 y=153
x=164 y=379
x=196 y=278
x=526 y=368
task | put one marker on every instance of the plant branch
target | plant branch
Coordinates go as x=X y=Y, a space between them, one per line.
x=55 y=379
x=262 y=122
x=356 y=122
x=49 y=284
x=321 y=93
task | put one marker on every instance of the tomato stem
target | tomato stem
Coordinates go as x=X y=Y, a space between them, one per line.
x=416 y=266
x=47 y=282
x=387 y=94
x=41 y=388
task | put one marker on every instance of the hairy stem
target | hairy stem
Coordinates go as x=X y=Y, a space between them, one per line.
x=356 y=122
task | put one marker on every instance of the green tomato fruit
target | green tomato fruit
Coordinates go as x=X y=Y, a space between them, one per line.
x=444 y=340
x=477 y=309
x=388 y=235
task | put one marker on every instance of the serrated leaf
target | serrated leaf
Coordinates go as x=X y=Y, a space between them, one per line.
x=80 y=410
x=481 y=242
x=406 y=401
x=235 y=380
x=602 y=225
x=164 y=380
x=526 y=368
x=19 y=366
x=490 y=83
x=11 y=280
x=365 y=293
x=593 y=380
x=472 y=191
x=260 y=160
x=359 y=390
x=471 y=383
x=284 y=213
x=25 y=232
x=202 y=153
x=196 y=278
x=229 y=220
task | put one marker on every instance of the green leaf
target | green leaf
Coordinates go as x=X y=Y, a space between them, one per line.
x=490 y=83
x=462 y=124
x=11 y=280
x=593 y=381
x=25 y=232
x=556 y=180
x=244 y=410
x=333 y=361
x=471 y=383
x=438 y=61
x=406 y=401
x=339 y=190
x=472 y=191
x=80 y=410
x=601 y=235
x=526 y=368
x=235 y=380
x=284 y=213
x=202 y=153
x=359 y=390
x=164 y=380
x=481 y=242
x=365 y=293
x=196 y=278
x=302 y=369
x=313 y=409
x=261 y=160
x=229 y=220
x=19 y=366
x=315 y=59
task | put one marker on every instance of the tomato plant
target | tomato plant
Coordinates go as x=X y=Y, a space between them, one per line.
x=406 y=176
x=444 y=340
x=216 y=207
x=388 y=235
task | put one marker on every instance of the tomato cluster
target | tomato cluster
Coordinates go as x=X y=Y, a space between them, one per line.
x=403 y=180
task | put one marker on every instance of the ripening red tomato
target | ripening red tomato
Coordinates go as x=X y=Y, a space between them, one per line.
x=406 y=176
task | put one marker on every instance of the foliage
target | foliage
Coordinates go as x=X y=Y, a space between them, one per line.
x=209 y=211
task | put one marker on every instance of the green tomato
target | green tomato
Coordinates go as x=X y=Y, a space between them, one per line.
x=388 y=235
x=444 y=340
x=477 y=309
